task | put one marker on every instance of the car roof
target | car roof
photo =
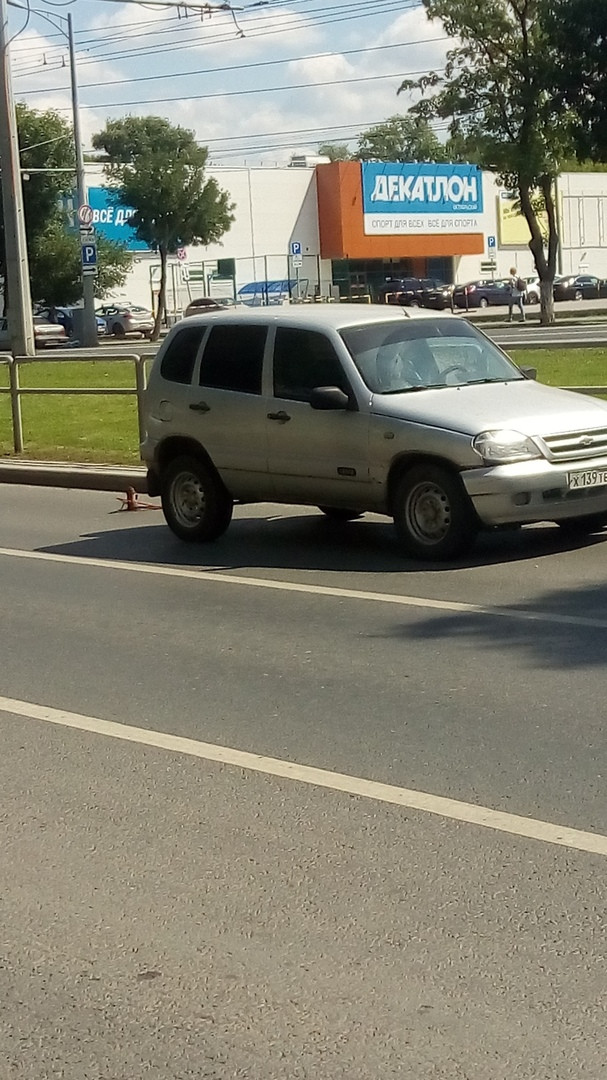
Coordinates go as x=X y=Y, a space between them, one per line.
x=321 y=316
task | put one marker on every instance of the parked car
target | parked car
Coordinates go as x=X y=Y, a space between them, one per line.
x=579 y=287
x=204 y=303
x=65 y=317
x=532 y=291
x=403 y=291
x=354 y=408
x=435 y=294
x=123 y=318
x=481 y=294
x=46 y=334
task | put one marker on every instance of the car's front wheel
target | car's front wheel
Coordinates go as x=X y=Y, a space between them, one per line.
x=195 y=502
x=578 y=295
x=433 y=515
x=118 y=330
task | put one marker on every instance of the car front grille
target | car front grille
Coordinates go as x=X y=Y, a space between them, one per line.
x=577 y=445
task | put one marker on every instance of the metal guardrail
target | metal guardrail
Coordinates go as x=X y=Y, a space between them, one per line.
x=17 y=392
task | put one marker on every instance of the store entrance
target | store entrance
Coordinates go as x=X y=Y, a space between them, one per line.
x=360 y=279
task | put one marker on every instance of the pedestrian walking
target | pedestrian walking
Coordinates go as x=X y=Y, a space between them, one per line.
x=517 y=288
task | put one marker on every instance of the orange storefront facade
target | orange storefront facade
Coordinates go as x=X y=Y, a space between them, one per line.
x=363 y=261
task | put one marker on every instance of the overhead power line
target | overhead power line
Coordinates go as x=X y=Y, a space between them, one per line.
x=235 y=67
x=355 y=12
x=243 y=93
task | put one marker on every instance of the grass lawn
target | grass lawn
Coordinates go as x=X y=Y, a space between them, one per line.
x=104 y=429
x=74 y=428
x=565 y=367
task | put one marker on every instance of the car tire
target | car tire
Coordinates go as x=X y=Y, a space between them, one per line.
x=337 y=513
x=118 y=330
x=583 y=526
x=578 y=295
x=414 y=303
x=483 y=302
x=195 y=502
x=433 y=515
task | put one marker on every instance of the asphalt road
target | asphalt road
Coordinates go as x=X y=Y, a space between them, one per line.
x=182 y=897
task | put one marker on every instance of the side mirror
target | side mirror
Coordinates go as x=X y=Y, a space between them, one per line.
x=329 y=398
x=529 y=372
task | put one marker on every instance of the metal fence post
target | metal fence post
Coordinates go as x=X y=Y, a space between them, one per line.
x=140 y=383
x=13 y=373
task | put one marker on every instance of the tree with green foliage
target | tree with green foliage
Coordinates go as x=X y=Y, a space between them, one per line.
x=400 y=138
x=159 y=169
x=497 y=92
x=55 y=266
x=47 y=144
x=577 y=38
x=335 y=151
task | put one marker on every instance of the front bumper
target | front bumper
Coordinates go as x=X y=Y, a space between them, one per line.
x=532 y=491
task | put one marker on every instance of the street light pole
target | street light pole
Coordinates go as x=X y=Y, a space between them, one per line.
x=89 y=328
x=17 y=283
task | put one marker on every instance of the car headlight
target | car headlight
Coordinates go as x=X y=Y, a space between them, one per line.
x=501 y=447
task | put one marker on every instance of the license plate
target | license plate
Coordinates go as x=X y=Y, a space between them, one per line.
x=588 y=478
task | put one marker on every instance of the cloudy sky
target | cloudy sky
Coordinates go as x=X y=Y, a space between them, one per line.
x=257 y=82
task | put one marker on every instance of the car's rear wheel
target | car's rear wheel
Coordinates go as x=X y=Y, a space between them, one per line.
x=337 y=513
x=583 y=526
x=483 y=302
x=414 y=303
x=195 y=502
x=433 y=515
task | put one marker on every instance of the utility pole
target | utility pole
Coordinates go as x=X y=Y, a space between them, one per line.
x=89 y=329
x=17 y=284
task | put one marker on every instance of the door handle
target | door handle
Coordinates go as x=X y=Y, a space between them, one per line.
x=200 y=406
x=281 y=416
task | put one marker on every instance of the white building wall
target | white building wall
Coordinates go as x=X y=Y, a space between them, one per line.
x=275 y=206
x=583 y=202
x=272 y=208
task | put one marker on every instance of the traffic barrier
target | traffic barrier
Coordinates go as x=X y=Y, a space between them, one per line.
x=17 y=391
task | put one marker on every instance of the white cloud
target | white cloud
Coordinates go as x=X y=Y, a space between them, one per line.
x=271 y=120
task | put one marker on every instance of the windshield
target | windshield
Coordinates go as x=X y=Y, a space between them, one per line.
x=424 y=354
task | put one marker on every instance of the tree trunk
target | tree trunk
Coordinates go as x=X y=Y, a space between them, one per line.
x=161 y=306
x=545 y=262
x=546 y=302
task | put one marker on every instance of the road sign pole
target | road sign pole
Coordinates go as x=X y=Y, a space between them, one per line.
x=90 y=338
x=17 y=286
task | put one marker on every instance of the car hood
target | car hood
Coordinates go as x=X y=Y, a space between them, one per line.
x=524 y=405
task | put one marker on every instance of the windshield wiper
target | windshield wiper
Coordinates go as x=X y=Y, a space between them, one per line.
x=476 y=382
x=404 y=390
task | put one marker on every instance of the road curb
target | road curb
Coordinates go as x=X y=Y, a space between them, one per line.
x=90 y=477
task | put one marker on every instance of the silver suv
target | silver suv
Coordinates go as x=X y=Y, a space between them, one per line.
x=413 y=414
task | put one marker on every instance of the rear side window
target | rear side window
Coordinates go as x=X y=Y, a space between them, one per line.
x=303 y=360
x=233 y=358
x=179 y=359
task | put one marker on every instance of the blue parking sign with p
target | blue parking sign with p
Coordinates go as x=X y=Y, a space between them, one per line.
x=89 y=256
x=491 y=242
x=295 y=247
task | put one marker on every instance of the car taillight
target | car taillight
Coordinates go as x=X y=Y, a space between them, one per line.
x=470 y=288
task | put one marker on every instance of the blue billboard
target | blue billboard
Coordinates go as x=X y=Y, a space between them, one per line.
x=112 y=220
x=404 y=199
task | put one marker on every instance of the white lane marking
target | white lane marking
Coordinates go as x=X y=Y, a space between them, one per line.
x=453 y=809
x=218 y=576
